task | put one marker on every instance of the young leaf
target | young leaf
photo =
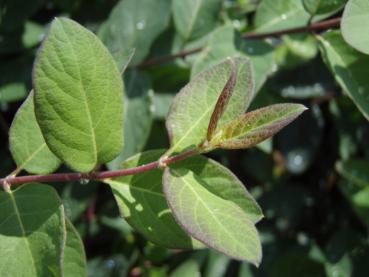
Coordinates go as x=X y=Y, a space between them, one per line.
x=27 y=144
x=32 y=232
x=78 y=97
x=355 y=21
x=143 y=21
x=195 y=18
x=348 y=67
x=142 y=203
x=219 y=222
x=256 y=126
x=315 y=7
x=222 y=101
x=190 y=113
x=74 y=260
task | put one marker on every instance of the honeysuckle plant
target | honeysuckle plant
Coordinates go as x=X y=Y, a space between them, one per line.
x=177 y=197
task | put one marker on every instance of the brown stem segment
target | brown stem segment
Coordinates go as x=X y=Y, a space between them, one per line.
x=319 y=26
x=65 y=177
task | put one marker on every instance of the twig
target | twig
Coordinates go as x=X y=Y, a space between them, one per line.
x=167 y=58
x=65 y=177
x=319 y=26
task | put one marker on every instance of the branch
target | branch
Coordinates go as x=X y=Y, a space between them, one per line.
x=319 y=26
x=65 y=177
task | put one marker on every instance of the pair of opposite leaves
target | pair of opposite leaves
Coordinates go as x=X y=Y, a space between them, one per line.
x=79 y=108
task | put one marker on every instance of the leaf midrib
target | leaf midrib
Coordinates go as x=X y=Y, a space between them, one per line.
x=84 y=95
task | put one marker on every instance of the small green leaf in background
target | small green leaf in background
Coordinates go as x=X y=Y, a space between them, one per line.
x=141 y=201
x=348 y=67
x=254 y=127
x=214 y=207
x=74 y=260
x=355 y=21
x=195 y=18
x=78 y=97
x=276 y=15
x=356 y=171
x=223 y=43
x=315 y=7
x=190 y=113
x=135 y=24
x=189 y=268
x=27 y=144
x=138 y=115
x=32 y=231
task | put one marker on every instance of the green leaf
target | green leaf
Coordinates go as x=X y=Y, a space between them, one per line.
x=189 y=268
x=315 y=7
x=354 y=24
x=32 y=232
x=356 y=171
x=254 y=127
x=190 y=113
x=214 y=207
x=142 y=203
x=27 y=144
x=138 y=115
x=74 y=261
x=223 y=43
x=78 y=97
x=276 y=15
x=135 y=24
x=348 y=67
x=195 y=18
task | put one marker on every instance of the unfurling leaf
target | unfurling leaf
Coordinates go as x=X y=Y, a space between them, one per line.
x=213 y=206
x=192 y=108
x=78 y=97
x=222 y=101
x=256 y=126
x=27 y=145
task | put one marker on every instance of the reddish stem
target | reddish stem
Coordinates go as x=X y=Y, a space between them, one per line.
x=65 y=177
x=319 y=26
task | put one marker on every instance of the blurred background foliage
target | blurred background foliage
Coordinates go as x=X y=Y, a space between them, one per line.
x=311 y=180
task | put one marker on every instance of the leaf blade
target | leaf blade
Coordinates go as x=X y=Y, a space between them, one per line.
x=191 y=110
x=217 y=223
x=256 y=126
x=27 y=144
x=355 y=18
x=346 y=65
x=35 y=238
x=142 y=203
x=79 y=112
